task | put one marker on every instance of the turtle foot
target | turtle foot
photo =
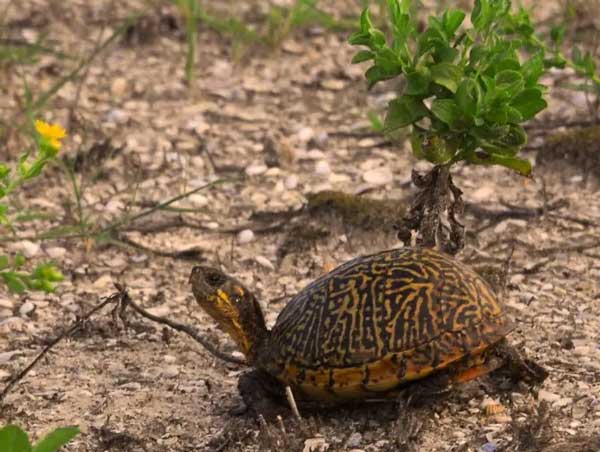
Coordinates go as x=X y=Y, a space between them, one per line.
x=262 y=395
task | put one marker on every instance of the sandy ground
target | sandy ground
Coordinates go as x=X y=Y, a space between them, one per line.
x=277 y=125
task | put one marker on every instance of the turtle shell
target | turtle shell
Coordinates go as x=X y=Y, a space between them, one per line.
x=379 y=321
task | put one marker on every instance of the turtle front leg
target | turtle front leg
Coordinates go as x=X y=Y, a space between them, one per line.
x=520 y=368
x=262 y=395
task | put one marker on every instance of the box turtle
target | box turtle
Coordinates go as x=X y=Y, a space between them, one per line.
x=366 y=329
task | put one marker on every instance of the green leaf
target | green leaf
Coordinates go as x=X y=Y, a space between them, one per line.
x=48 y=272
x=446 y=110
x=481 y=14
x=388 y=62
x=447 y=75
x=432 y=148
x=376 y=74
x=56 y=439
x=4 y=262
x=418 y=82
x=23 y=166
x=529 y=102
x=360 y=38
x=403 y=111
x=509 y=83
x=519 y=165
x=468 y=97
x=532 y=69
x=557 y=34
x=365 y=21
x=4 y=171
x=497 y=115
x=14 y=282
x=363 y=55
x=13 y=439
x=452 y=19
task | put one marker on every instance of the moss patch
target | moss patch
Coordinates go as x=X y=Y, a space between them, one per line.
x=579 y=148
x=354 y=210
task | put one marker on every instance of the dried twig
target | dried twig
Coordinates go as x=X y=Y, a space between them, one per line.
x=126 y=300
x=114 y=298
x=292 y=402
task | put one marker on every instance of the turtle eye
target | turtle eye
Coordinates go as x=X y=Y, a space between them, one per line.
x=215 y=279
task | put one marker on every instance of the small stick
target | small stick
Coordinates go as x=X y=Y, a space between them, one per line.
x=281 y=426
x=184 y=329
x=110 y=299
x=290 y=398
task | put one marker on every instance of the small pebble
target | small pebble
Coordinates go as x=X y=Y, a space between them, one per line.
x=131 y=386
x=29 y=249
x=118 y=87
x=245 y=236
x=263 y=261
x=322 y=168
x=103 y=282
x=170 y=371
x=26 y=308
x=291 y=182
x=548 y=396
x=198 y=200
x=256 y=169
x=488 y=447
x=378 y=176
x=354 y=440
x=315 y=445
x=56 y=252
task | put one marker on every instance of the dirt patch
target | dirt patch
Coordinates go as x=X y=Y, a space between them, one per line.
x=573 y=154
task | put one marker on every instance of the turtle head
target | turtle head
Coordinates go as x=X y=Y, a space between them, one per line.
x=232 y=306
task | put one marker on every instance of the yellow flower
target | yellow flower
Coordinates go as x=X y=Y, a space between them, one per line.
x=52 y=133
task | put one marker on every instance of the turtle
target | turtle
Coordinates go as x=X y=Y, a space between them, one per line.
x=367 y=330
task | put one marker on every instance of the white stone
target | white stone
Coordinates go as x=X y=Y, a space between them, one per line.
x=245 y=236
x=198 y=200
x=56 y=252
x=160 y=311
x=548 y=396
x=354 y=440
x=170 y=371
x=315 y=445
x=103 y=282
x=378 y=176
x=263 y=261
x=131 y=386
x=26 y=308
x=484 y=193
x=256 y=169
x=29 y=249
x=305 y=134
x=322 y=168
x=291 y=182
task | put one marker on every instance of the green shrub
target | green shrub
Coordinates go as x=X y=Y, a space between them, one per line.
x=14 y=439
x=44 y=276
x=467 y=90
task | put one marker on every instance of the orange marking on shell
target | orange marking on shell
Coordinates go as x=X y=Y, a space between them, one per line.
x=383 y=374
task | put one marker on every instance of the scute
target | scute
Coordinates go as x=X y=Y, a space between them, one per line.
x=357 y=326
